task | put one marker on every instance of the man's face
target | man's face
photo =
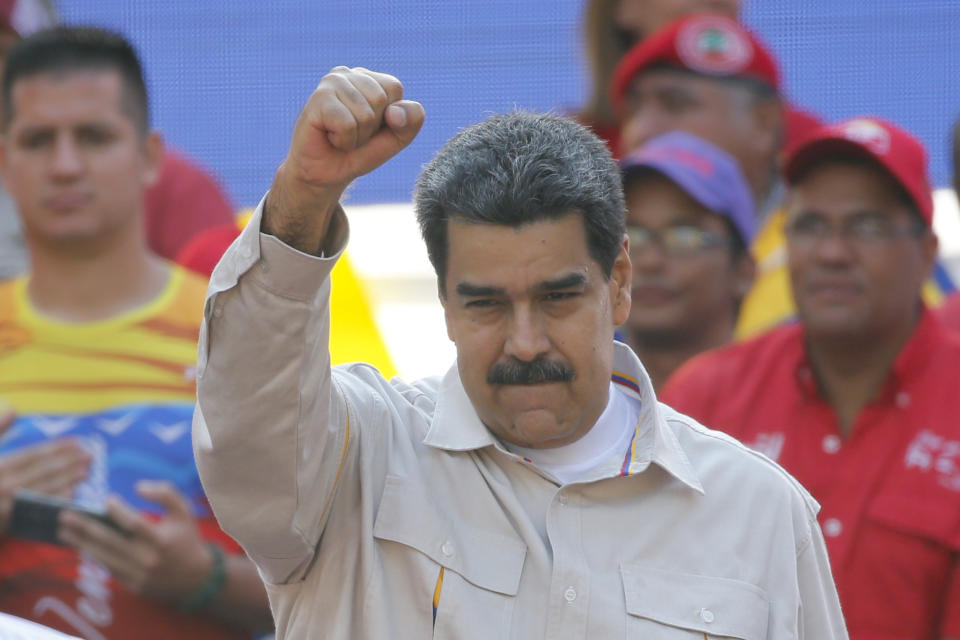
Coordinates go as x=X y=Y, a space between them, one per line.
x=643 y=17
x=533 y=318
x=74 y=160
x=664 y=100
x=680 y=292
x=856 y=267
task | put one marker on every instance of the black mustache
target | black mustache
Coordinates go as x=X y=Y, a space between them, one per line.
x=533 y=372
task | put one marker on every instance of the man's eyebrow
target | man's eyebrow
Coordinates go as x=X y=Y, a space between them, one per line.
x=467 y=290
x=564 y=282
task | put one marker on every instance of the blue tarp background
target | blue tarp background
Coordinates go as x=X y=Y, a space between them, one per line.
x=228 y=78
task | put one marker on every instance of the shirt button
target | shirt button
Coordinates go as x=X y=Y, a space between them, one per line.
x=706 y=615
x=832 y=527
x=217 y=311
x=562 y=499
x=903 y=400
x=832 y=443
x=447 y=548
x=570 y=594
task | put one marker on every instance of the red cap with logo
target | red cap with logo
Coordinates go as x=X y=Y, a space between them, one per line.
x=893 y=149
x=709 y=44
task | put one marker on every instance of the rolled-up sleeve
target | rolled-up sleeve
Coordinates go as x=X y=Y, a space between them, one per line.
x=269 y=433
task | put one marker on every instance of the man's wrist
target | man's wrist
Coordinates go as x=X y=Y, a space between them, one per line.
x=204 y=595
x=299 y=215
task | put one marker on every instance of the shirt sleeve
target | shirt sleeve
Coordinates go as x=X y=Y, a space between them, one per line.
x=819 y=616
x=270 y=435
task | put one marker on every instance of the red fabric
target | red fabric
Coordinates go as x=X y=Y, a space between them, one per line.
x=950 y=312
x=898 y=152
x=203 y=252
x=890 y=495
x=708 y=44
x=799 y=124
x=184 y=201
x=49 y=585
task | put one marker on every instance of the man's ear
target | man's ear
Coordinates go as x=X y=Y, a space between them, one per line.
x=621 y=282
x=153 y=151
x=930 y=247
x=3 y=160
x=744 y=273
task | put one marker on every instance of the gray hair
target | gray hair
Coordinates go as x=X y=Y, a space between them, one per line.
x=520 y=168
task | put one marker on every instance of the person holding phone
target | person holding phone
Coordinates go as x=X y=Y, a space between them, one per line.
x=97 y=353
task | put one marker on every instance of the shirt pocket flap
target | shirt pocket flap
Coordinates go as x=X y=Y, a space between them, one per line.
x=488 y=559
x=713 y=606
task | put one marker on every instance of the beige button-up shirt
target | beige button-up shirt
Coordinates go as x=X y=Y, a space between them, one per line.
x=385 y=509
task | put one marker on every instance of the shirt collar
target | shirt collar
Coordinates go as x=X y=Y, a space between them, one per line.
x=457 y=427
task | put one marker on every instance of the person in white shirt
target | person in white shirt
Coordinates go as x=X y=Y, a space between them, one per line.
x=538 y=489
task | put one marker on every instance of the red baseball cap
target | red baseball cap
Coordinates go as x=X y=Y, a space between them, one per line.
x=893 y=149
x=713 y=45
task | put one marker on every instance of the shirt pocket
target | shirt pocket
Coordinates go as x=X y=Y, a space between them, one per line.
x=668 y=605
x=481 y=568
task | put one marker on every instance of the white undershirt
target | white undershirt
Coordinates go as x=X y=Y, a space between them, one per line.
x=609 y=435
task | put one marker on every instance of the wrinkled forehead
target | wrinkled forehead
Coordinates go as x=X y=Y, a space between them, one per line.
x=517 y=257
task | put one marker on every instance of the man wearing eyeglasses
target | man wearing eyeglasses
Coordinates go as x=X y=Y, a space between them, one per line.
x=860 y=399
x=690 y=218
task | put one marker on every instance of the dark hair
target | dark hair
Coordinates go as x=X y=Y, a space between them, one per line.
x=64 y=50
x=520 y=168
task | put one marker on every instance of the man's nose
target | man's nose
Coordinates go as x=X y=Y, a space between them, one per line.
x=67 y=160
x=526 y=336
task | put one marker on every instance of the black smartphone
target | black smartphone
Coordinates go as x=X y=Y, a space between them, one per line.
x=35 y=516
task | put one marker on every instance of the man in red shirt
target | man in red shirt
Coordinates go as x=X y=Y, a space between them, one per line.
x=859 y=400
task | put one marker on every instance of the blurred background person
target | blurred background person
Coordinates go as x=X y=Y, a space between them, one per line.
x=184 y=200
x=610 y=29
x=950 y=310
x=859 y=399
x=712 y=77
x=690 y=219
x=99 y=348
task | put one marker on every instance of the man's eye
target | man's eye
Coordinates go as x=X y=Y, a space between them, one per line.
x=36 y=140
x=481 y=303
x=683 y=237
x=557 y=296
x=807 y=226
x=94 y=137
x=870 y=227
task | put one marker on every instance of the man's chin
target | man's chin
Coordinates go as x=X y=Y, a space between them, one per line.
x=539 y=429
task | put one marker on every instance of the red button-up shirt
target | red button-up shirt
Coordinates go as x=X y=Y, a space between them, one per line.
x=890 y=494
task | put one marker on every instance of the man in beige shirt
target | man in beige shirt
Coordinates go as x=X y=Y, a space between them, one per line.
x=537 y=490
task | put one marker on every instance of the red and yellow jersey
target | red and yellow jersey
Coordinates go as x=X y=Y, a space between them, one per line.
x=124 y=388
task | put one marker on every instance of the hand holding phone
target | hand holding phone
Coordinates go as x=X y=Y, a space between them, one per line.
x=36 y=516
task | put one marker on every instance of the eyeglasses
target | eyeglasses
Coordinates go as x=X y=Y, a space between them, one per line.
x=675 y=241
x=863 y=229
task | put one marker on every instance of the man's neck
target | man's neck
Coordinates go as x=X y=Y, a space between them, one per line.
x=663 y=352
x=95 y=284
x=851 y=373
